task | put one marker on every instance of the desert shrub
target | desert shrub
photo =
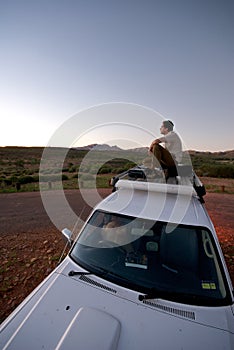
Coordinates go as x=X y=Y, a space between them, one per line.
x=17 y=181
x=225 y=171
x=53 y=178
x=94 y=169
x=217 y=170
x=105 y=170
x=103 y=182
x=7 y=182
x=73 y=169
x=25 y=179
x=29 y=172
x=19 y=163
x=14 y=178
x=86 y=177
x=120 y=170
x=50 y=171
x=35 y=161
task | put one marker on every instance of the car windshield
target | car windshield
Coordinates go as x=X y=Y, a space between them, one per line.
x=179 y=262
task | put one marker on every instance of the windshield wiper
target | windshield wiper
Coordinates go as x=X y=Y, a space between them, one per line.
x=97 y=271
x=178 y=296
x=101 y=272
x=79 y=273
x=154 y=294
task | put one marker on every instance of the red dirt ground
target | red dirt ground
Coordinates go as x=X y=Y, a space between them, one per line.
x=31 y=246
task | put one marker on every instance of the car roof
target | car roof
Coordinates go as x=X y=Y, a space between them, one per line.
x=157 y=201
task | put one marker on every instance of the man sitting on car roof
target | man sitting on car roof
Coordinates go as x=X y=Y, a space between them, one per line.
x=170 y=155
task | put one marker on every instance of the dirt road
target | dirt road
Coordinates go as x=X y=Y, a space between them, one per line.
x=22 y=212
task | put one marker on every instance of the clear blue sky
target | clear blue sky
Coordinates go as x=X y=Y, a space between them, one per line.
x=59 y=57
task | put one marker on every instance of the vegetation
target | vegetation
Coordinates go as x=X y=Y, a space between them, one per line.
x=22 y=168
x=219 y=164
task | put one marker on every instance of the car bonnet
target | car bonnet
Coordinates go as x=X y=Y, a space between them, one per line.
x=88 y=313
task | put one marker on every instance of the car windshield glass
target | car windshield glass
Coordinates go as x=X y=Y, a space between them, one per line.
x=147 y=256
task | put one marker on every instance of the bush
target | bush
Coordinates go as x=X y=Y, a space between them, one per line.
x=86 y=177
x=50 y=171
x=25 y=179
x=105 y=170
x=73 y=169
x=120 y=170
x=22 y=180
x=53 y=178
x=217 y=170
x=19 y=163
x=7 y=182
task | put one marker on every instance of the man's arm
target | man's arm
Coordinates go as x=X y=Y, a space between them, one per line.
x=156 y=142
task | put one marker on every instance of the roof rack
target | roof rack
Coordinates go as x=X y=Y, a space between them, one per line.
x=143 y=176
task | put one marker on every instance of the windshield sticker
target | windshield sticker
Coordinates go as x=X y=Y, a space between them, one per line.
x=208 y=285
x=136 y=260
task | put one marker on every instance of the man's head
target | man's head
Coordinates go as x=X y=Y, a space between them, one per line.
x=166 y=127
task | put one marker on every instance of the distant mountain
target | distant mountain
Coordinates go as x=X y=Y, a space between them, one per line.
x=139 y=149
x=218 y=155
x=104 y=147
x=99 y=147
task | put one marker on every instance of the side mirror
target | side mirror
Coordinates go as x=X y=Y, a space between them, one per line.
x=67 y=234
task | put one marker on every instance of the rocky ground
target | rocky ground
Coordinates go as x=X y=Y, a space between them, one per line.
x=31 y=246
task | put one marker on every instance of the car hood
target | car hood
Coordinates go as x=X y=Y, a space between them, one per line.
x=86 y=312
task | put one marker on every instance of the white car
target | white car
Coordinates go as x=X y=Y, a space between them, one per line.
x=146 y=272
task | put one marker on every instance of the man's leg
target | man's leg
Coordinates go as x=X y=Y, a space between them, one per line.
x=165 y=159
x=163 y=156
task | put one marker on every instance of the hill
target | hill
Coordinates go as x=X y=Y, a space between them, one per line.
x=19 y=166
x=229 y=155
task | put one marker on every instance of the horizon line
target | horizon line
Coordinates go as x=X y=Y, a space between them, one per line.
x=122 y=149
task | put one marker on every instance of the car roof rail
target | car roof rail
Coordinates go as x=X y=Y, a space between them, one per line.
x=138 y=173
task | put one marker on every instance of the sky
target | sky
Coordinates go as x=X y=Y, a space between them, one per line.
x=60 y=58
